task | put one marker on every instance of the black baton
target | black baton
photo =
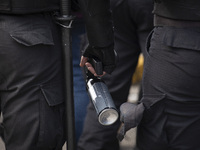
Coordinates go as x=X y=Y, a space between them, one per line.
x=65 y=20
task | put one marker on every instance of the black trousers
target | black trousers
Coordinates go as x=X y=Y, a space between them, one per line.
x=31 y=90
x=133 y=21
x=170 y=125
x=171 y=94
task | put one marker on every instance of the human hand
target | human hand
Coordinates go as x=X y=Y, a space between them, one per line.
x=130 y=116
x=84 y=62
x=106 y=55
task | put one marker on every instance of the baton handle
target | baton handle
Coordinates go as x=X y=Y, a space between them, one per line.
x=65 y=7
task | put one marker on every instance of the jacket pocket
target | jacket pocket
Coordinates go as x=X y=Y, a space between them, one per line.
x=148 y=43
x=182 y=38
x=51 y=130
x=5 y=5
x=151 y=103
x=33 y=37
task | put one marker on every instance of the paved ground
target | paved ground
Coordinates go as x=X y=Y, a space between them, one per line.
x=129 y=141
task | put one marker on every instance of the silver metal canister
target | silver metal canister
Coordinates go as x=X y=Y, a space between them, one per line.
x=102 y=101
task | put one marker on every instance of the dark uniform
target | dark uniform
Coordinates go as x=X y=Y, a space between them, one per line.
x=171 y=80
x=133 y=21
x=31 y=75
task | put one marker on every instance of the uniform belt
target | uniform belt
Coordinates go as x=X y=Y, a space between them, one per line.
x=162 y=21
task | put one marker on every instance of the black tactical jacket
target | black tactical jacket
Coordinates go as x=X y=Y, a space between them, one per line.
x=178 y=9
x=96 y=14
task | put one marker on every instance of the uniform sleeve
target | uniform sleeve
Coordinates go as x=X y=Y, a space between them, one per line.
x=99 y=26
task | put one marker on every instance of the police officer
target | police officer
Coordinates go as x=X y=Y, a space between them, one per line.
x=133 y=21
x=171 y=97
x=31 y=73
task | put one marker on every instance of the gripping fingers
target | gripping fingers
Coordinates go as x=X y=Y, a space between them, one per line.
x=90 y=68
x=84 y=62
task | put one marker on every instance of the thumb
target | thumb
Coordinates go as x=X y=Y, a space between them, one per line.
x=83 y=61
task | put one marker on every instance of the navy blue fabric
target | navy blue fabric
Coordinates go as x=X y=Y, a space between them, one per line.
x=81 y=98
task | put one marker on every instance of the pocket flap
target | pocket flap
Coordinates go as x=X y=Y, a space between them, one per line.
x=150 y=100
x=35 y=37
x=182 y=38
x=52 y=93
x=5 y=5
